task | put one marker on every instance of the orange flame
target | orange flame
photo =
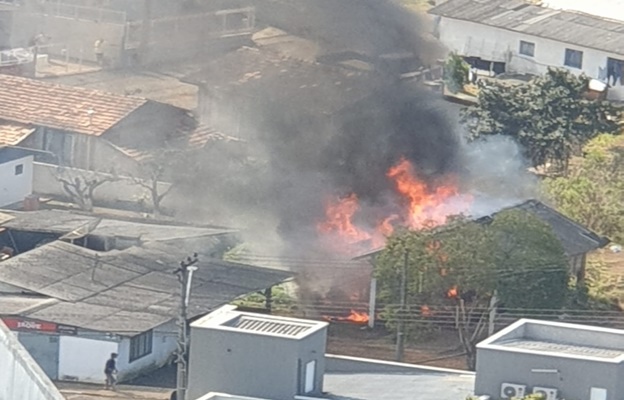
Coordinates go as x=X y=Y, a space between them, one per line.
x=426 y=205
x=452 y=293
x=422 y=204
x=339 y=215
x=355 y=316
x=425 y=311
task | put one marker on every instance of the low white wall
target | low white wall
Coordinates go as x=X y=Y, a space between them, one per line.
x=345 y=364
x=82 y=359
x=163 y=346
x=20 y=376
x=45 y=183
x=14 y=188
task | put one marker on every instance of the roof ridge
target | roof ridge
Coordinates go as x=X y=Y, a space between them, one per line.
x=70 y=108
x=45 y=82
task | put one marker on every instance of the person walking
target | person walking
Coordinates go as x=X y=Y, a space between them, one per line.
x=110 y=370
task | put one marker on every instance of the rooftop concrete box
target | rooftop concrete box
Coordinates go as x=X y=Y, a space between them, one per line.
x=562 y=361
x=256 y=355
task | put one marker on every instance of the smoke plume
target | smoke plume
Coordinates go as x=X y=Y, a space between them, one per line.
x=299 y=159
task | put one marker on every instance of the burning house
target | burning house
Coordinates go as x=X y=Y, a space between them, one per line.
x=348 y=151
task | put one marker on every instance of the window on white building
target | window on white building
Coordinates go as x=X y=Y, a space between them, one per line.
x=141 y=345
x=19 y=169
x=527 y=48
x=573 y=58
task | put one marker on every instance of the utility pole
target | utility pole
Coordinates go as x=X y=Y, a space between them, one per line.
x=492 y=317
x=401 y=315
x=185 y=276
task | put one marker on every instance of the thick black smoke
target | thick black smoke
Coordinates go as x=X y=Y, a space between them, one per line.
x=309 y=165
x=372 y=27
x=301 y=158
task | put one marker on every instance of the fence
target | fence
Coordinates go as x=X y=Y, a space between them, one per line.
x=59 y=9
x=16 y=56
x=60 y=54
x=199 y=27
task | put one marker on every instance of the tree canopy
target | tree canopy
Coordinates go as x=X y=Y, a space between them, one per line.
x=455 y=73
x=551 y=116
x=593 y=191
x=465 y=263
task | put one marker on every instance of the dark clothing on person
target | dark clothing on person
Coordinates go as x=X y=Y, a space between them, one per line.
x=110 y=366
x=110 y=369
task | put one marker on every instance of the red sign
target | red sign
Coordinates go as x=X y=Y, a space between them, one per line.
x=26 y=325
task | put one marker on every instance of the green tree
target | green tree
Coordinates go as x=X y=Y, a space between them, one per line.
x=531 y=267
x=550 y=116
x=455 y=73
x=593 y=191
x=461 y=267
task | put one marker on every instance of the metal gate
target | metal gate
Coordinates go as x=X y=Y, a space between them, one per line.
x=44 y=349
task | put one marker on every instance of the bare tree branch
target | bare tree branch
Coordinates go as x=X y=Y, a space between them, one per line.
x=79 y=187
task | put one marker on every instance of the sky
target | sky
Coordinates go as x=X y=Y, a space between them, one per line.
x=613 y=9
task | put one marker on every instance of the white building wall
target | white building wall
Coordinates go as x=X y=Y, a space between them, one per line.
x=497 y=44
x=20 y=376
x=82 y=359
x=124 y=189
x=14 y=188
x=163 y=346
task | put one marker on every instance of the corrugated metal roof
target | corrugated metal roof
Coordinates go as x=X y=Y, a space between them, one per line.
x=265 y=325
x=74 y=109
x=14 y=304
x=575 y=238
x=64 y=222
x=128 y=291
x=570 y=27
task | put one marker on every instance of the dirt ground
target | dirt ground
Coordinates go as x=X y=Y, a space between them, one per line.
x=348 y=339
x=82 y=391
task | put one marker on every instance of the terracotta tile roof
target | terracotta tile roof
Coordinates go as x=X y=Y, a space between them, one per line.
x=62 y=107
x=12 y=133
x=136 y=154
x=187 y=139
x=204 y=134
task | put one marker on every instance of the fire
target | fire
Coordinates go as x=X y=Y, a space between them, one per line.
x=452 y=293
x=426 y=205
x=339 y=215
x=355 y=316
x=422 y=204
x=339 y=219
x=425 y=311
